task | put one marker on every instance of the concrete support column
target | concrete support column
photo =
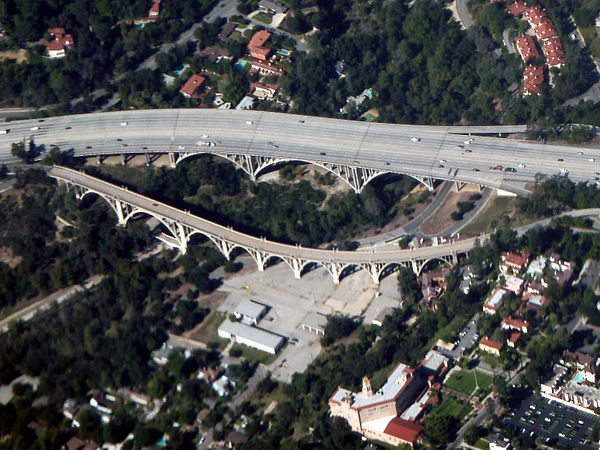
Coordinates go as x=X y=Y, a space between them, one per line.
x=172 y=159
x=123 y=159
x=148 y=159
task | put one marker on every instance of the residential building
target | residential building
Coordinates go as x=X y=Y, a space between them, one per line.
x=517 y=8
x=513 y=339
x=272 y=6
x=59 y=42
x=251 y=336
x=515 y=324
x=315 y=323
x=256 y=46
x=105 y=404
x=265 y=68
x=494 y=301
x=499 y=443
x=490 y=346
x=262 y=91
x=161 y=356
x=375 y=414
x=235 y=439
x=214 y=53
x=246 y=103
x=527 y=49
x=537 y=266
x=572 y=393
x=514 y=284
x=563 y=270
x=514 y=262
x=553 y=385
x=555 y=55
x=250 y=312
x=154 y=9
x=535 y=301
x=210 y=374
x=226 y=31
x=533 y=78
x=192 y=85
x=586 y=364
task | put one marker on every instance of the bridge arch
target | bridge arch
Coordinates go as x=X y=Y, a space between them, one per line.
x=422 y=264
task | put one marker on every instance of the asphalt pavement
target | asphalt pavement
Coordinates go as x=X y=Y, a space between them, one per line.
x=463 y=13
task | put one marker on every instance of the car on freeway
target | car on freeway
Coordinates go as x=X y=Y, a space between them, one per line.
x=468 y=151
x=591 y=159
x=34 y=128
x=460 y=147
x=124 y=124
x=580 y=153
x=322 y=153
x=249 y=122
x=443 y=161
x=119 y=139
x=560 y=160
x=522 y=165
x=475 y=169
x=182 y=147
x=68 y=128
x=301 y=121
x=89 y=147
x=387 y=163
x=510 y=169
x=205 y=136
x=154 y=204
x=415 y=139
x=441 y=166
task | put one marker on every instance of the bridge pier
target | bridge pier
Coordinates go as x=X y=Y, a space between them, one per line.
x=100 y=159
x=260 y=258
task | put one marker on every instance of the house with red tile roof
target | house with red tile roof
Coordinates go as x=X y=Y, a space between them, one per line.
x=513 y=339
x=490 y=346
x=402 y=431
x=154 y=9
x=58 y=43
x=262 y=91
x=514 y=261
x=192 y=85
x=527 y=49
x=511 y=323
x=533 y=78
x=256 y=46
x=517 y=8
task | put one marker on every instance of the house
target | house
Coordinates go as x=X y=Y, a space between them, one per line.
x=251 y=336
x=265 y=68
x=537 y=266
x=526 y=47
x=494 y=301
x=70 y=409
x=256 y=46
x=490 y=346
x=517 y=8
x=500 y=443
x=535 y=301
x=584 y=363
x=226 y=31
x=154 y=9
x=533 y=78
x=374 y=414
x=272 y=6
x=563 y=270
x=514 y=284
x=210 y=374
x=105 y=404
x=192 y=85
x=59 y=42
x=555 y=55
x=246 y=103
x=215 y=53
x=249 y=312
x=513 y=339
x=262 y=91
x=161 y=356
x=515 y=324
x=514 y=261
x=235 y=439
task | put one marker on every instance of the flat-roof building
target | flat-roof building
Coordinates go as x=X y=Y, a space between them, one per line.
x=315 y=323
x=250 y=312
x=251 y=336
x=494 y=301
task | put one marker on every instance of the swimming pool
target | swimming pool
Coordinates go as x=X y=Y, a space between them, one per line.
x=578 y=378
x=240 y=64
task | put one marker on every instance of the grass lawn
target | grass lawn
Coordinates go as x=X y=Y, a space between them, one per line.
x=448 y=332
x=264 y=18
x=492 y=215
x=253 y=354
x=483 y=444
x=453 y=408
x=208 y=330
x=464 y=381
x=492 y=362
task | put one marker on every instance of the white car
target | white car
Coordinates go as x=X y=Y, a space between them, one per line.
x=415 y=139
x=591 y=159
x=34 y=128
x=249 y=122
x=182 y=147
x=205 y=136
x=522 y=165
x=123 y=124
x=580 y=153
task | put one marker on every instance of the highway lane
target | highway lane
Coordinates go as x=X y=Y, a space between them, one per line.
x=149 y=206
x=438 y=152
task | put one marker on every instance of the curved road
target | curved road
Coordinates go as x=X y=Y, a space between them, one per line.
x=384 y=147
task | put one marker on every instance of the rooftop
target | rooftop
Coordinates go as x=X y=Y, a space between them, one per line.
x=487 y=342
x=494 y=301
x=403 y=429
x=250 y=308
x=400 y=377
x=251 y=333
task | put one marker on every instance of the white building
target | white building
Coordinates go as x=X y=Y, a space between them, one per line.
x=315 y=323
x=251 y=336
x=250 y=312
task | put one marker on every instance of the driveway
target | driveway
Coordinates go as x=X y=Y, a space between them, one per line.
x=463 y=13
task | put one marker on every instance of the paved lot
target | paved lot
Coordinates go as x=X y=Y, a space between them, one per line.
x=291 y=301
x=556 y=424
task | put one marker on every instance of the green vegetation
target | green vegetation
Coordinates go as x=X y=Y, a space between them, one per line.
x=291 y=213
x=453 y=408
x=464 y=381
x=264 y=18
x=207 y=333
x=252 y=354
x=463 y=208
x=499 y=211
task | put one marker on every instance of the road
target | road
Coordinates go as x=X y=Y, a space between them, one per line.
x=276 y=137
x=245 y=241
x=463 y=13
x=28 y=312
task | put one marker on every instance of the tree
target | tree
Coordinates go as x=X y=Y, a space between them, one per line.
x=440 y=429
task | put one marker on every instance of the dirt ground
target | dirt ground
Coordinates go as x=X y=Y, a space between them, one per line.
x=441 y=220
x=18 y=55
x=6 y=256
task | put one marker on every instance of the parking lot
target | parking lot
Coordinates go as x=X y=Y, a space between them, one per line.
x=556 y=424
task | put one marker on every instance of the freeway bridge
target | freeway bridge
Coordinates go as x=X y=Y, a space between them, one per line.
x=356 y=151
x=181 y=226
